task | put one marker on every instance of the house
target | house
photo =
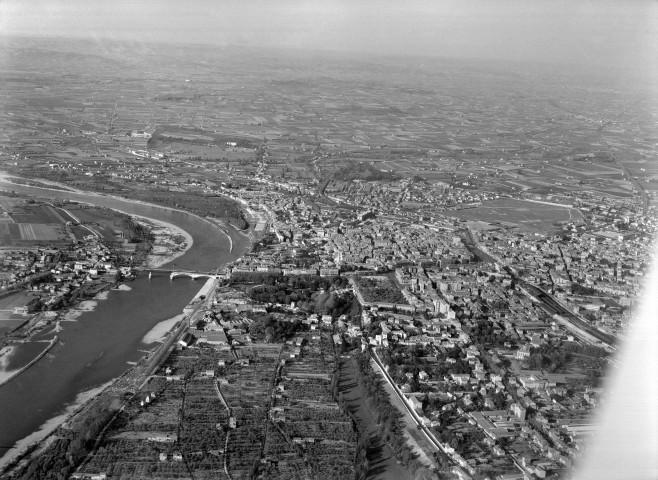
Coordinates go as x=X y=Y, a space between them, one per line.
x=166 y=438
x=147 y=399
x=414 y=403
x=460 y=378
x=523 y=352
x=531 y=382
x=186 y=341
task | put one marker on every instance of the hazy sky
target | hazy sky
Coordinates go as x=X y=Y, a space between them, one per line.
x=572 y=31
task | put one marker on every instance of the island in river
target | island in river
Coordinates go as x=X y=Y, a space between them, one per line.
x=95 y=346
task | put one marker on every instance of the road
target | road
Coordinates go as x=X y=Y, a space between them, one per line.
x=415 y=422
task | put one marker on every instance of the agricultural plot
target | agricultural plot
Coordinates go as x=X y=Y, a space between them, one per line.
x=180 y=432
x=527 y=216
x=282 y=457
x=7 y=204
x=39 y=231
x=403 y=168
x=102 y=221
x=5 y=233
x=33 y=232
x=14 y=300
x=207 y=413
x=306 y=416
x=9 y=322
x=204 y=426
x=32 y=224
x=246 y=387
x=37 y=214
x=80 y=232
x=124 y=454
x=43 y=223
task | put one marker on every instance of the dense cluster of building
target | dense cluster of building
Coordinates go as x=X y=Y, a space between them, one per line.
x=53 y=275
x=504 y=388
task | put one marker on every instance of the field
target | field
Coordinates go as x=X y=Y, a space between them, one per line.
x=527 y=216
x=13 y=233
x=309 y=435
x=242 y=413
x=103 y=221
x=37 y=214
x=33 y=223
x=9 y=321
x=36 y=231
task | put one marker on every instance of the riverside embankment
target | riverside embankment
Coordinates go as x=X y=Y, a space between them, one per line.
x=101 y=343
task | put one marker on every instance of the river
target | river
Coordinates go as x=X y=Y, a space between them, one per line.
x=96 y=345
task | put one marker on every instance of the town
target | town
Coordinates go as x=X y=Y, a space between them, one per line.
x=439 y=298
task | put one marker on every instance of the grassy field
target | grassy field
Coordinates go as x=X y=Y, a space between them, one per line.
x=102 y=221
x=37 y=214
x=528 y=216
x=7 y=204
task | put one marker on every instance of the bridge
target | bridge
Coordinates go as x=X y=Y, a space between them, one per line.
x=186 y=273
x=194 y=275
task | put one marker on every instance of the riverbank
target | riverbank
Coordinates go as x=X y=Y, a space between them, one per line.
x=129 y=381
x=38 y=439
x=156 y=260
x=5 y=354
x=11 y=375
x=170 y=241
x=100 y=346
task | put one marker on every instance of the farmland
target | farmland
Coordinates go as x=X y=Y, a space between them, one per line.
x=313 y=438
x=9 y=320
x=31 y=223
x=212 y=411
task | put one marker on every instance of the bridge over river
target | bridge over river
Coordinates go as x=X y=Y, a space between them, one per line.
x=183 y=273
